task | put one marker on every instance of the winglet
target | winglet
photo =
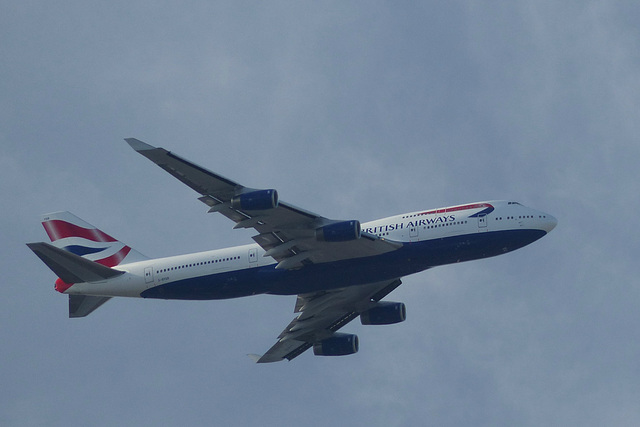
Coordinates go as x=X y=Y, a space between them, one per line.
x=254 y=357
x=138 y=145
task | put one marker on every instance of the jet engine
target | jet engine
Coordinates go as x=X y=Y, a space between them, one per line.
x=384 y=313
x=258 y=200
x=337 y=345
x=342 y=231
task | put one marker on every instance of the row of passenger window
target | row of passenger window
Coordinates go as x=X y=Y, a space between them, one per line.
x=520 y=217
x=214 y=261
x=427 y=227
x=446 y=224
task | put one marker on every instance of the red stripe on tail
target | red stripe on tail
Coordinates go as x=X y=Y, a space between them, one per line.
x=57 y=229
x=116 y=258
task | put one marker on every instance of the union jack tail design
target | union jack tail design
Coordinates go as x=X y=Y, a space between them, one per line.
x=74 y=235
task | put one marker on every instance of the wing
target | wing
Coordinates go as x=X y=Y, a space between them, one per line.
x=291 y=235
x=322 y=314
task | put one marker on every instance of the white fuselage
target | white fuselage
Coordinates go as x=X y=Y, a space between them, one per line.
x=465 y=225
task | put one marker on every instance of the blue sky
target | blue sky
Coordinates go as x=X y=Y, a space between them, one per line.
x=351 y=110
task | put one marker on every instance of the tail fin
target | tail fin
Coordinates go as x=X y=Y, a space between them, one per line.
x=79 y=253
x=74 y=235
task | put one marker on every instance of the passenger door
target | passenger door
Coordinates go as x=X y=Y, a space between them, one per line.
x=482 y=222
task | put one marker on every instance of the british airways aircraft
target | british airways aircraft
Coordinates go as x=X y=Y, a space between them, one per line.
x=339 y=270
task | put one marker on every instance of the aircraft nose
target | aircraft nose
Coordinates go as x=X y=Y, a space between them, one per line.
x=549 y=222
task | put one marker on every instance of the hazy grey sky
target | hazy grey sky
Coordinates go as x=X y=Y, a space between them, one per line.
x=352 y=110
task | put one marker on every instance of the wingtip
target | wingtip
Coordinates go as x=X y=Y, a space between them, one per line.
x=254 y=357
x=138 y=145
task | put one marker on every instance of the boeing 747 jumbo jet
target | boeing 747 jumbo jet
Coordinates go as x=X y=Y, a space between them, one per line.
x=338 y=269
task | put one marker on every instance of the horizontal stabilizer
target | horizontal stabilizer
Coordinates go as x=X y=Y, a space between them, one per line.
x=70 y=267
x=83 y=305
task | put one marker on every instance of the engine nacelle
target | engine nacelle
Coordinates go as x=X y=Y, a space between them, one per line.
x=339 y=232
x=384 y=313
x=258 y=200
x=337 y=345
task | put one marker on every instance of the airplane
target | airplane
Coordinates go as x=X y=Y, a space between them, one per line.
x=339 y=269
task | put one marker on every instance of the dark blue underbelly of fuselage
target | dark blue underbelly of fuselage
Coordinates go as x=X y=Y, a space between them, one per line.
x=411 y=258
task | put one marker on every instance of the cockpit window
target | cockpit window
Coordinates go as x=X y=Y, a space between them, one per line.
x=514 y=203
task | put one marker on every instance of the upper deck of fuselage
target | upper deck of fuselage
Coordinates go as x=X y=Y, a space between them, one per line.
x=495 y=215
